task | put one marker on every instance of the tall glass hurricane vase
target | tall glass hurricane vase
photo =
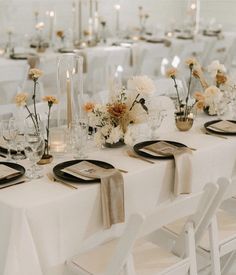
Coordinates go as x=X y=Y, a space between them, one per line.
x=70 y=87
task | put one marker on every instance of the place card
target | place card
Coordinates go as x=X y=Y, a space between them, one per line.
x=86 y=170
x=224 y=126
x=7 y=172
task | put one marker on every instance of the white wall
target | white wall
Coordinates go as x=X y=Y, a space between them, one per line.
x=18 y=14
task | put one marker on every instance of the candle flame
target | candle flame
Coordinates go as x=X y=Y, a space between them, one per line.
x=67 y=74
x=117 y=7
x=51 y=13
x=193 y=6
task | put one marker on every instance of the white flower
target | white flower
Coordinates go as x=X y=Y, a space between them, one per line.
x=105 y=130
x=99 y=139
x=115 y=135
x=215 y=67
x=213 y=97
x=141 y=84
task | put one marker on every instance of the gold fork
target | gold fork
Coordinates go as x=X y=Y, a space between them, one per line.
x=134 y=155
x=52 y=178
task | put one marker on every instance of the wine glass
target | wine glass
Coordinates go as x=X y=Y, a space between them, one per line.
x=9 y=133
x=154 y=122
x=79 y=137
x=19 y=143
x=34 y=147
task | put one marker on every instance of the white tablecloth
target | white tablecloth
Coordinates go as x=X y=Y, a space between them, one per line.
x=44 y=223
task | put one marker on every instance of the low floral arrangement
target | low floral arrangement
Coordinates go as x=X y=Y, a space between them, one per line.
x=113 y=119
x=215 y=97
x=21 y=101
x=184 y=107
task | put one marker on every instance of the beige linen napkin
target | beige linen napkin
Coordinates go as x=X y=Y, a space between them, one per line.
x=224 y=126
x=7 y=172
x=112 y=190
x=182 y=164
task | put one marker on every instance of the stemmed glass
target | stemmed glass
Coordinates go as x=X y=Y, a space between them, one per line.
x=34 y=147
x=154 y=122
x=9 y=133
x=79 y=138
x=19 y=143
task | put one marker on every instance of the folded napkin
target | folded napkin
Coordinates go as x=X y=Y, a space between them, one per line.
x=7 y=172
x=112 y=190
x=182 y=164
x=224 y=126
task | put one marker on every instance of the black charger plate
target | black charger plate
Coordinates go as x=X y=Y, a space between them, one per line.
x=14 y=166
x=141 y=145
x=215 y=131
x=64 y=176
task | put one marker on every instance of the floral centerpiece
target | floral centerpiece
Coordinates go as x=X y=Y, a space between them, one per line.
x=184 y=115
x=21 y=101
x=112 y=120
x=214 y=97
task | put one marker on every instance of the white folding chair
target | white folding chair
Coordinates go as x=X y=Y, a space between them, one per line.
x=132 y=253
x=208 y=246
x=221 y=243
x=12 y=80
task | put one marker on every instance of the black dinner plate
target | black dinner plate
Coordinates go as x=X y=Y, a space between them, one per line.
x=215 y=131
x=141 y=145
x=14 y=166
x=64 y=176
x=21 y=56
x=185 y=37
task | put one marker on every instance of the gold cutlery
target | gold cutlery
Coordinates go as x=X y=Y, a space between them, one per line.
x=213 y=134
x=134 y=155
x=122 y=171
x=52 y=178
x=16 y=183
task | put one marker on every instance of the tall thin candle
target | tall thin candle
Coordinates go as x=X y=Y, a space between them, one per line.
x=80 y=20
x=69 y=103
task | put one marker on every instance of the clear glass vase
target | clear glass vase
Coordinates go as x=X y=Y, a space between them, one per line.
x=70 y=87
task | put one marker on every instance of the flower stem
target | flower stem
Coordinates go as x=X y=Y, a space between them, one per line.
x=32 y=117
x=189 y=86
x=34 y=102
x=134 y=102
x=177 y=91
x=47 y=145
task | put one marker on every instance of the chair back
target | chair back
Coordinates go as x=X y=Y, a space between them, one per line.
x=139 y=226
x=204 y=214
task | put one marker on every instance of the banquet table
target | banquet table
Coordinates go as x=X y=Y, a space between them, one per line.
x=43 y=223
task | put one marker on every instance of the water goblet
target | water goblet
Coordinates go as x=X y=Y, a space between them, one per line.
x=79 y=137
x=19 y=143
x=34 y=145
x=154 y=122
x=9 y=133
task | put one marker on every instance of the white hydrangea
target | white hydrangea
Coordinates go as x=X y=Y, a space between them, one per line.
x=115 y=135
x=99 y=139
x=214 y=67
x=142 y=85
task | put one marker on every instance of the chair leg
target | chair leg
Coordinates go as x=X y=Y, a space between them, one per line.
x=214 y=245
x=191 y=249
x=227 y=263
